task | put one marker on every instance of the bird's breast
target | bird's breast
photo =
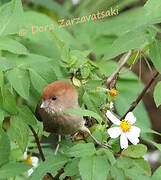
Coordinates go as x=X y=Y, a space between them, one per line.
x=61 y=123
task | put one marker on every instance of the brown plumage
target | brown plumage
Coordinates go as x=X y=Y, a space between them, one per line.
x=57 y=97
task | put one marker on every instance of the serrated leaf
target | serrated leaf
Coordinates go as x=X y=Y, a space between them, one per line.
x=26 y=115
x=107 y=154
x=85 y=71
x=82 y=112
x=19 y=79
x=155 y=54
x=37 y=81
x=19 y=132
x=52 y=164
x=11 y=45
x=71 y=169
x=94 y=168
x=157 y=94
x=135 y=151
x=81 y=150
x=93 y=100
x=4 y=149
x=13 y=169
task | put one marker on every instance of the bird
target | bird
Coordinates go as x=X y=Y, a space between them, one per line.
x=57 y=97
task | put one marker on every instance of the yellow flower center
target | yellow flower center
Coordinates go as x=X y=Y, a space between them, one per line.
x=125 y=126
x=113 y=92
x=29 y=161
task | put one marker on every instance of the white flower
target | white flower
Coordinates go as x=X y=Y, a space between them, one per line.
x=75 y=2
x=125 y=129
x=32 y=160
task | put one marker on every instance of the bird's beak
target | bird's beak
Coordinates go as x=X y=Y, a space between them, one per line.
x=44 y=104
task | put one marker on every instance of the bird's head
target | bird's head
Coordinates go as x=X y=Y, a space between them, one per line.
x=59 y=96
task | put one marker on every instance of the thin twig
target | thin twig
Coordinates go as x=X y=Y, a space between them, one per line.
x=109 y=80
x=37 y=142
x=134 y=104
x=128 y=69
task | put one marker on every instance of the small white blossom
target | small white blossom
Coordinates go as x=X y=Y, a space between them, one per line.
x=32 y=160
x=124 y=129
x=75 y=2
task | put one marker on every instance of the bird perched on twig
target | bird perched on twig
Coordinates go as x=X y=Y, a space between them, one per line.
x=57 y=97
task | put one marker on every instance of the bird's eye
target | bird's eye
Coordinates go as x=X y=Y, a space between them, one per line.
x=53 y=98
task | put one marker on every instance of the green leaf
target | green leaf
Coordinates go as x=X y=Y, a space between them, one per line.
x=37 y=81
x=134 y=173
x=85 y=71
x=94 y=168
x=117 y=174
x=19 y=79
x=143 y=165
x=84 y=113
x=153 y=11
x=157 y=174
x=26 y=115
x=52 y=164
x=9 y=102
x=93 y=100
x=81 y=150
x=12 y=46
x=11 y=17
x=129 y=40
x=13 y=169
x=4 y=149
x=71 y=169
x=140 y=165
x=157 y=145
x=155 y=54
x=1 y=117
x=19 y=132
x=5 y=64
x=135 y=151
x=157 y=94
x=108 y=154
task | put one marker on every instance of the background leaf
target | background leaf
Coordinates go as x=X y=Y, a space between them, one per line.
x=13 y=169
x=12 y=46
x=93 y=167
x=19 y=79
x=4 y=149
x=157 y=94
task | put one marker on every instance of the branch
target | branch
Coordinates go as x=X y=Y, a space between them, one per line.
x=116 y=72
x=135 y=103
x=38 y=143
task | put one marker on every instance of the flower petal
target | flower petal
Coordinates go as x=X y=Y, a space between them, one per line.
x=133 y=139
x=130 y=118
x=135 y=131
x=114 y=132
x=123 y=141
x=112 y=118
x=35 y=161
x=30 y=171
